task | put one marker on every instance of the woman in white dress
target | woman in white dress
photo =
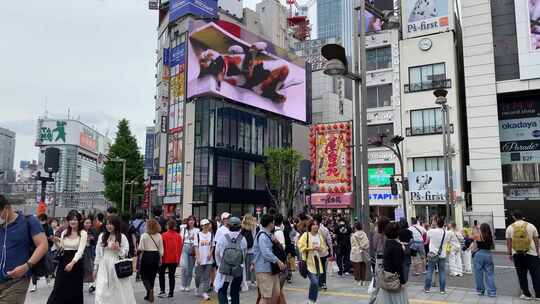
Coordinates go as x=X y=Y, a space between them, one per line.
x=109 y=288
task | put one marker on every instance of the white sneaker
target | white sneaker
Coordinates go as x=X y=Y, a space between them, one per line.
x=205 y=296
x=34 y=288
x=524 y=297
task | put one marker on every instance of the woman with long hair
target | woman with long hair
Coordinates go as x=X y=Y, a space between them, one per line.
x=90 y=253
x=249 y=225
x=406 y=239
x=311 y=244
x=393 y=262
x=150 y=250
x=359 y=254
x=68 y=286
x=483 y=262
x=189 y=233
x=112 y=246
x=454 y=260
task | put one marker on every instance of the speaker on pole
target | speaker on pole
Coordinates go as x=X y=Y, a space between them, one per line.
x=52 y=160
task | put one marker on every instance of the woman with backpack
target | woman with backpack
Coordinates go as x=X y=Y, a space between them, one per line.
x=483 y=262
x=311 y=244
x=248 y=231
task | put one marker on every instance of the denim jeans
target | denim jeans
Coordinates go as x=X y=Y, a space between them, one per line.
x=322 y=276
x=187 y=266
x=407 y=267
x=235 y=291
x=313 y=286
x=484 y=269
x=441 y=265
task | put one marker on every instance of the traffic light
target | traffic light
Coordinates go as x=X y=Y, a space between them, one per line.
x=393 y=186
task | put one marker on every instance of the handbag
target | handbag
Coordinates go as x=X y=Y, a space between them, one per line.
x=192 y=248
x=123 y=268
x=434 y=257
x=302 y=264
x=388 y=281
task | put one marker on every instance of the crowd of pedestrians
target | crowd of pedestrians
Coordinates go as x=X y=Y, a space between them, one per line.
x=232 y=254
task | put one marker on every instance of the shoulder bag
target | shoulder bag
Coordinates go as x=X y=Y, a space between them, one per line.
x=434 y=257
x=302 y=264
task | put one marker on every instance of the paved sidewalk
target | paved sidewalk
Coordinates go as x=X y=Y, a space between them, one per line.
x=342 y=290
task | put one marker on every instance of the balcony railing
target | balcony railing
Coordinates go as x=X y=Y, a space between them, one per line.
x=427 y=86
x=427 y=130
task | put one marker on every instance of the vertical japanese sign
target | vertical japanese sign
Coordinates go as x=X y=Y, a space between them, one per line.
x=331 y=157
x=149 y=150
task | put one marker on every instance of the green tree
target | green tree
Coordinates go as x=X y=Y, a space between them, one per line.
x=124 y=146
x=281 y=171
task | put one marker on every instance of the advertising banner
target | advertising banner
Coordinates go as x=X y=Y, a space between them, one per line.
x=423 y=17
x=380 y=176
x=331 y=157
x=519 y=130
x=226 y=60
x=198 y=8
x=69 y=132
x=178 y=55
x=528 y=37
x=335 y=200
x=149 y=151
x=166 y=64
x=427 y=186
x=374 y=24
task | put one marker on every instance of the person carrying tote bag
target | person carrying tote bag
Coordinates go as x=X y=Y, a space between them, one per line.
x=391 y=278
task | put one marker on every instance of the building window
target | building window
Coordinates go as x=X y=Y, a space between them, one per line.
x=421 y=164
x=374 y=132
x=426 y=121
x=427 y=77
x=379 y=58
x=379 y=96
x=224 y=172
x=236 y=167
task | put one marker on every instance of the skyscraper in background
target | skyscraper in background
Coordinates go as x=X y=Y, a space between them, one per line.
x=329 y=18
x=347 y=7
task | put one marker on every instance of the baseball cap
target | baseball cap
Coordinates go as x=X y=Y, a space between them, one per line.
x=225 y=215
x=205 y=222
x=234 y=222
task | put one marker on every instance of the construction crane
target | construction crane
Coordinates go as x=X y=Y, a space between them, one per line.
x=298 y=20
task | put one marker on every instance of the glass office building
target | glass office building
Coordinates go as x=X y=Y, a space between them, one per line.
x=230 y=142
x=329 y=23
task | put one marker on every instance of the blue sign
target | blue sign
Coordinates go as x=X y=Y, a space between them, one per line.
x=382 y=196
x=198 y=8
x=178 y=55
x=149 y=152
x=166 y=56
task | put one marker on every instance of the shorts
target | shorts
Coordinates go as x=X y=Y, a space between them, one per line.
x=268 y=284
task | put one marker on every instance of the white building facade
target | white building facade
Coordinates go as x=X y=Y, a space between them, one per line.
x=502 y=73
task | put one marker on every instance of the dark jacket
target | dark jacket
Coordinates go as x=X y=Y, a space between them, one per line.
x=393 y=259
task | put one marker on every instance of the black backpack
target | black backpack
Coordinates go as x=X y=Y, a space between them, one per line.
x=45 y=266
x=278 y=251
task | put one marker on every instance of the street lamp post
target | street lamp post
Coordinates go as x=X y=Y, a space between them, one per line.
x=441 y=100
x=123 y=161
x=337 y=66
x=396 y=140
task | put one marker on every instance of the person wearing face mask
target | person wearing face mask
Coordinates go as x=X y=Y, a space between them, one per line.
x=17 y=233
x=111 y=246
x=68 y=286
x=343 y=235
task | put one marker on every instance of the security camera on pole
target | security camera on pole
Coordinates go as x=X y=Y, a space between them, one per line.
x=441 y=100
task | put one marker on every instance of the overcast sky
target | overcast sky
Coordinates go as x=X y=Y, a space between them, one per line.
x=93 y=57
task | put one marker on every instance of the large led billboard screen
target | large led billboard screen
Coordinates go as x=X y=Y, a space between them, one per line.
x=228 y=61
x=528 y=37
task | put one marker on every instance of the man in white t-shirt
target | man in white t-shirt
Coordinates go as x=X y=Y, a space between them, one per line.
x=419 y=260
x=223 y=229
x=204 y=260
x=526 y=260
x=438 y=239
